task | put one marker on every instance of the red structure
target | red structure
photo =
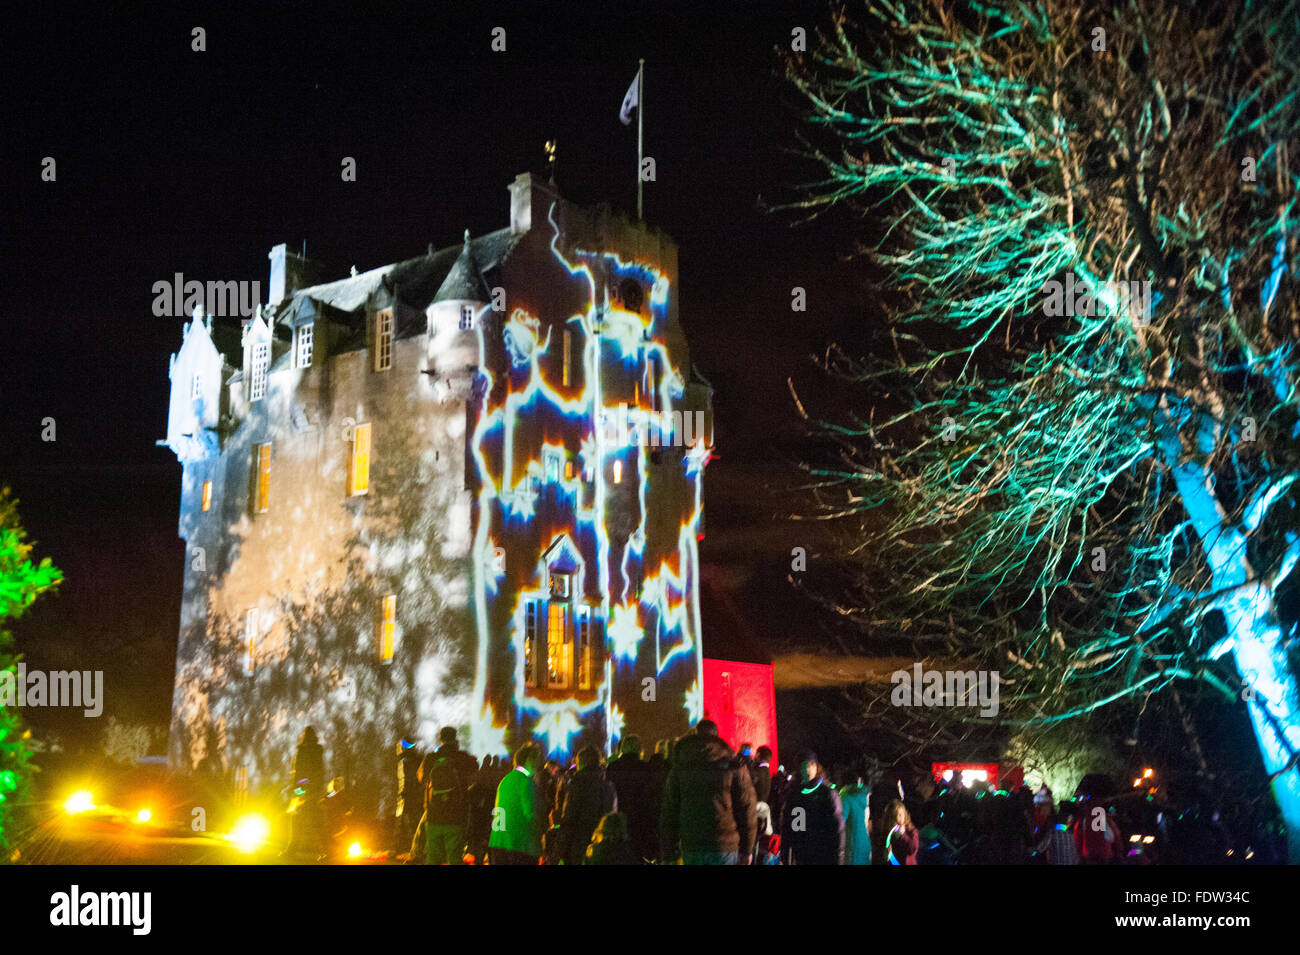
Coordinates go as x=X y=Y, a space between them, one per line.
x=987 y=772
x=741 y=699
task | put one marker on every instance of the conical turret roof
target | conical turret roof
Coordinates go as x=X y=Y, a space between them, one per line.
x=463 y=282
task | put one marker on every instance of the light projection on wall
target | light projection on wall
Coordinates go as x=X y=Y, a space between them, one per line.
x=544 y=456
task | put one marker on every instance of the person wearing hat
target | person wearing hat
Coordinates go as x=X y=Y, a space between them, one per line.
x=812 y=828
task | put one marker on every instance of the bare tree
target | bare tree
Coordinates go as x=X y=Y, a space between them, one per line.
x=1081 y=458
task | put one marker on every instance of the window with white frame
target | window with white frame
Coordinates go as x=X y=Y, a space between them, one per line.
x=261 y=364
x=586 y=648
x=559 y=646
x=466 y=317
x=383 y=341
x=302 y=349
x=530 y=643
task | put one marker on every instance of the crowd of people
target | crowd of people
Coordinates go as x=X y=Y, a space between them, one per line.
x=698 y=801
x=694 y=800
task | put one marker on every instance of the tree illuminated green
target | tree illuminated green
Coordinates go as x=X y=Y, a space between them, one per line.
x=1098 y=503
x=21 y=582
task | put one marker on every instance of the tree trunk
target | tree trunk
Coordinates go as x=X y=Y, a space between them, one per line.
x=1254 y=632
x=1273 y=703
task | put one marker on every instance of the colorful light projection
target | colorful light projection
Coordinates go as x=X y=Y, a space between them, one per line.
x=608 y=564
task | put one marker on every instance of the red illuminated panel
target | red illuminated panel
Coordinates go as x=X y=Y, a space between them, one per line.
x=740 y=698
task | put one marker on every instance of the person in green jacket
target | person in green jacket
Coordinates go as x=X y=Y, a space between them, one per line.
x=517 y=820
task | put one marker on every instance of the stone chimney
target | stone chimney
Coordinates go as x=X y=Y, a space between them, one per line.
x=530 y=201
x=289 y=273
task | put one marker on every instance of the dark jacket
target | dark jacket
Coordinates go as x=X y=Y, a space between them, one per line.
x=447 y=774
x=611 y=853
x=812 y=828
x=762 y=776
x=634 y=784
x=708 y=801
x=658 y=780
x=587 y=798
x=309 y=770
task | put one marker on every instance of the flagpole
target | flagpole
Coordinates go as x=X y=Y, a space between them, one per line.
x=640 y=122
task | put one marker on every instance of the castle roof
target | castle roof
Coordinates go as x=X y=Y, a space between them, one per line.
x=416 y=282
x=464 y=282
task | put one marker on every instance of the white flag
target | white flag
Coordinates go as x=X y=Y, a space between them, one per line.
x=631 y=101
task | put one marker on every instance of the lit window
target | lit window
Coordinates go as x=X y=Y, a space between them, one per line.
x=262 y=489
x=530 y=643
x=559 y=647
x=207 y=495
x=618 y=472
x=305 y=334
x=196 y=387
x=568 y=470
x=359 y=463
x=250 y=640
x=568 y=359
x=383 y=341
x=261 y=364
x=466 y=317
x=387 y=628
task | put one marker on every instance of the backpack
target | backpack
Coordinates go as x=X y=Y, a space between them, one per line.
x=445 y=791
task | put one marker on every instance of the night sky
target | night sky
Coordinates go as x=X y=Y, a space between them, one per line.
x=170 y=160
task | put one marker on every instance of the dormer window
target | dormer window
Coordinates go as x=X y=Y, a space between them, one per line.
x=383 y=341
x=261 y=364
x=302 y=347
x=466 y=318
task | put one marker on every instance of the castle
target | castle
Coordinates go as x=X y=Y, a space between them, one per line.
x=404 y=505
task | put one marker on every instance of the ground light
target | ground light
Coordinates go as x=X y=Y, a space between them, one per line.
x=80 y=801
x=250 y=833
x=144 y=815
x=354 y=851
